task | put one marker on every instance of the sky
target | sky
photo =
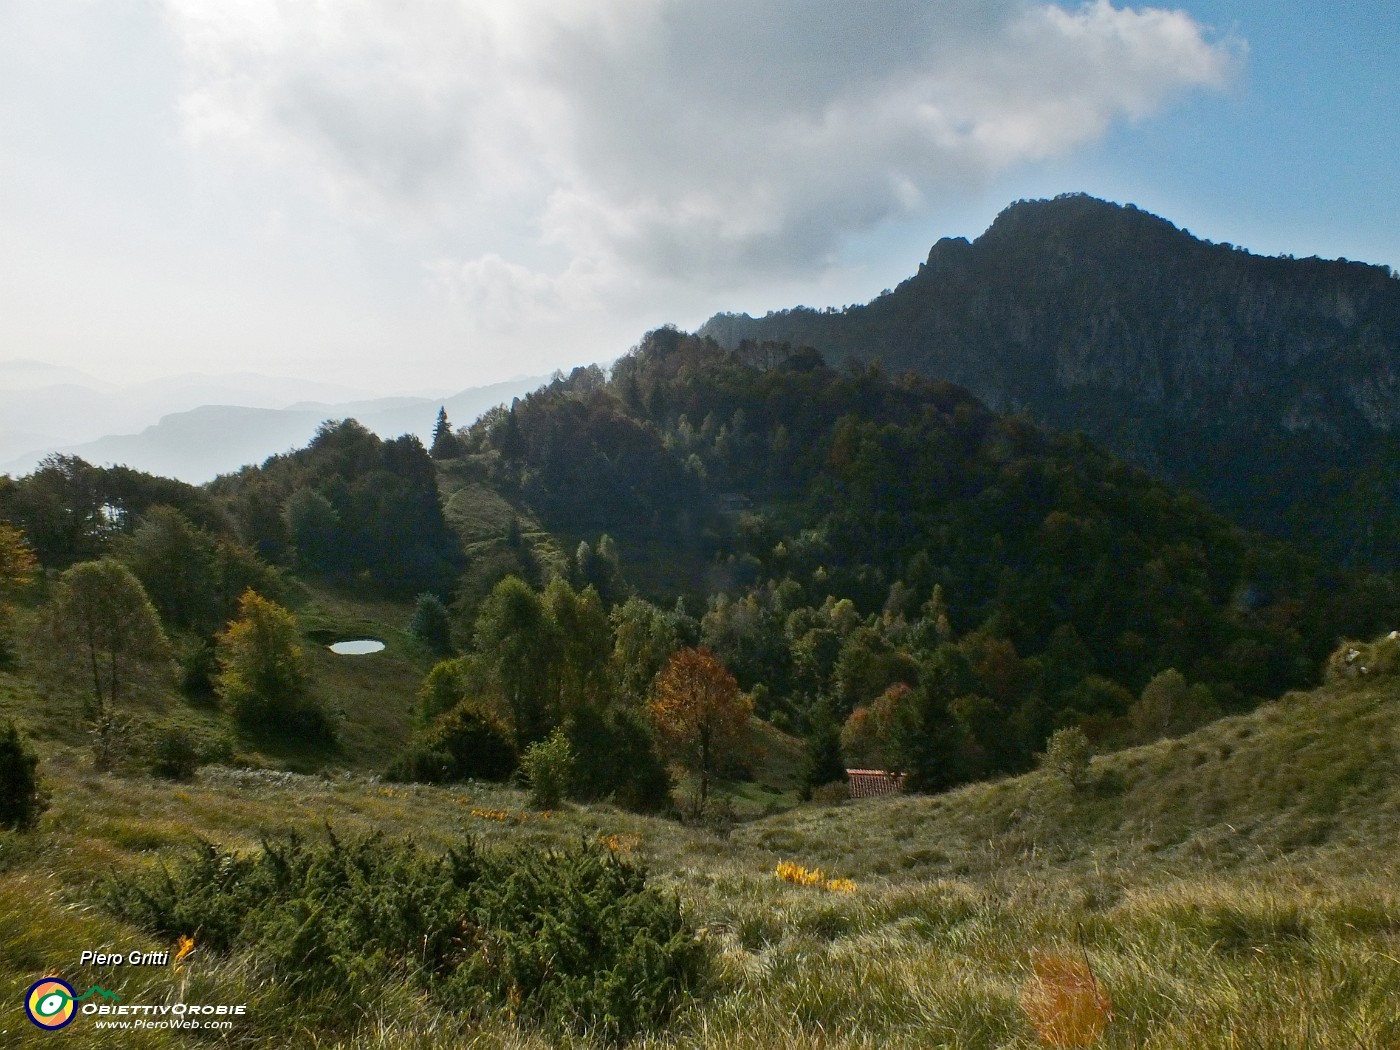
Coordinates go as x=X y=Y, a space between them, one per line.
x=417 y=196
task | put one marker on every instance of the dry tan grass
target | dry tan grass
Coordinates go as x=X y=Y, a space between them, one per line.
x=1065 y=1002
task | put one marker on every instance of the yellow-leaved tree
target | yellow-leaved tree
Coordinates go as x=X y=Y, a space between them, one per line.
x=699 y=713
x=17 y=565
x=263 y=677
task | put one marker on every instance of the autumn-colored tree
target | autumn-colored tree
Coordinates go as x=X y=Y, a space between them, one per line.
x=17 y=561
x=17 y=564
x=870 y=736
x=262 y=671
x=699 y=713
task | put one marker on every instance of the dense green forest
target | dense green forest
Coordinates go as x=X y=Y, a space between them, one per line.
x=883 y=565
x=869 y=541
x=350 y=505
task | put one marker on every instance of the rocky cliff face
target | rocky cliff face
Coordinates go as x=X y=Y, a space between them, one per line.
x=1255 y=380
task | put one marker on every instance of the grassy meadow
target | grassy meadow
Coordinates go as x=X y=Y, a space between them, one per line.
x=1232 y=888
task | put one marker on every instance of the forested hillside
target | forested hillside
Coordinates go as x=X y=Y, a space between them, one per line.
x=882 y=564
x=1269 y=385
x=885 y=554
x=351 y=506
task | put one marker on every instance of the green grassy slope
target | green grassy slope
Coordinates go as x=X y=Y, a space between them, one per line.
x=481 y=517
x=1235 y=888
x=375 y=695
x=1314 y=776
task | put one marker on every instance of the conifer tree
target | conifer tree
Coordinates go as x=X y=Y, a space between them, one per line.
x=824 y=762
x=445 y=442
x=431 y=623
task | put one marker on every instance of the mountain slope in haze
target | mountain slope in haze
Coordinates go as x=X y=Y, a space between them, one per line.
x=197 y=445
x=46 y=407
x=1270 y=385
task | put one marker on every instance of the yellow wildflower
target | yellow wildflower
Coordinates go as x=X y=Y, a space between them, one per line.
x=183 y=948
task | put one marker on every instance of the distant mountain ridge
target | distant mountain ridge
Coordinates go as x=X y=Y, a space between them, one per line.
x=1271 y=385
x=45 y=406
x=197 y=445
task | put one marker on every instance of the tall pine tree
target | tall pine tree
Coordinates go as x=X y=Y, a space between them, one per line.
x=445 y=442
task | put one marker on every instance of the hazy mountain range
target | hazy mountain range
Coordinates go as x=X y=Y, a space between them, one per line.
x=203 y=425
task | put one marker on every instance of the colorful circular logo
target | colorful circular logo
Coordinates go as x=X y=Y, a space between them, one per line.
x=49 y=1003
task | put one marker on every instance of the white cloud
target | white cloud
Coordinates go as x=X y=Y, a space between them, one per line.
x=497 y=295
x=620 y=143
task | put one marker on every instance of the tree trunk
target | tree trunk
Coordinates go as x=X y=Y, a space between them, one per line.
x=704 y=769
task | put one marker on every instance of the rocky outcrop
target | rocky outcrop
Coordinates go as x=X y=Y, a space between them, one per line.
x=1252 y=379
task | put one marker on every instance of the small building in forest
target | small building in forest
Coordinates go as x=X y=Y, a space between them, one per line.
x=869 y=783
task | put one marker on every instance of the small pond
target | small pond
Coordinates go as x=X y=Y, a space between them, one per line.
x=357 y=647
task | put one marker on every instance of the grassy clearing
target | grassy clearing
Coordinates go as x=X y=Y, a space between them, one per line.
x=1315 y=775
x=373 y=697
x=1275 y=958
x=1235 y=888
x=481 y=517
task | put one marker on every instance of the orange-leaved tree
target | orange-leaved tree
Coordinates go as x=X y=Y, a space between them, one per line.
x=698 y=711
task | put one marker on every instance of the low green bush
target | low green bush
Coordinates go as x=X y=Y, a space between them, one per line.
x=568 y=941
x=465 y=743
x=174 y=754
x=548 y=764
x=21 y=795
x=420 y=763
x=1067 y=754
x=198 y=667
